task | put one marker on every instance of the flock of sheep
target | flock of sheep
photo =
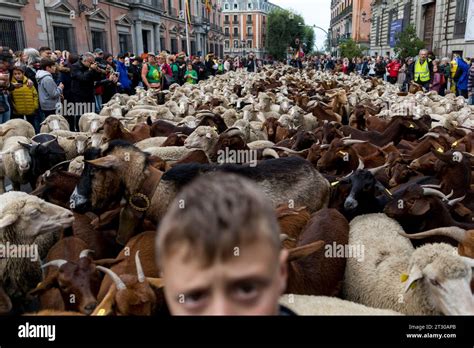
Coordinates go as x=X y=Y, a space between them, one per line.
x=393 y=278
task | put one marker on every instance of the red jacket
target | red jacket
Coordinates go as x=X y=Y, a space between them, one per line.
x=393 y=68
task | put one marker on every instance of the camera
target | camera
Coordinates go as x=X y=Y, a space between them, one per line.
x=101 y=66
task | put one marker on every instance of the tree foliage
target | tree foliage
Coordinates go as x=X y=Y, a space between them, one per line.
x=408 y=44
x=283 y=30
x=350 y=49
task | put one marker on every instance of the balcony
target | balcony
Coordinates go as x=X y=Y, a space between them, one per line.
x=344 y=13
x=249 y=21
x=155 y=4
x=227 y=34
x=226 y=22
x=235 y=22
x=249 y=35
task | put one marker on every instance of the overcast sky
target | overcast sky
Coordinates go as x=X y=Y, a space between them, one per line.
x=314 y=12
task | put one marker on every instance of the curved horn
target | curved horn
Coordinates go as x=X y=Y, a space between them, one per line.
x=118 y=282
x=140 y=274
x=324 y=146
x=431 y=186
x=430 y=134
x=377 y=169
x=59 y=165
x=347 y=176
x=270 y=153
x=432 y=192
x=288 y=150
x=361 y=165
x=85 y=253
x=50 y=141
x=454 y=232
x=353 y=142
x=284 y=237
x=456 y=200
x=57 y=263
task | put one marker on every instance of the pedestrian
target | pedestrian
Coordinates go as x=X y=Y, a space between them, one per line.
x=6 y=62
x=422 y=69
x=31 y=59
x=191 y=75
x=371 y=67
x=166 y=72
x=461 y=78
x=380 y=67
x=393 y=69
x=84 y=74
x=470 y=84
x=135 y=69
x=438 y=79
x=25 y=98
x=151 y=73
x=220 y=67
x=445 y=69
x=49 y=93
x=124 y=84
x=227 y=64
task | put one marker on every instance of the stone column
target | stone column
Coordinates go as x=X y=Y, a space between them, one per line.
x=138 y=37
x=156 y=28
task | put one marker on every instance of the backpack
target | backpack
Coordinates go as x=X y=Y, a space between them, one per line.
x=442 y=80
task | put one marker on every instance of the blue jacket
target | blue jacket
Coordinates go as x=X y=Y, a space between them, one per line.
x=123 y=77
x=462 y=82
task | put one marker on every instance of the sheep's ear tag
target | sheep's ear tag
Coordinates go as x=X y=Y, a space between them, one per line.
x=335 y=183
x=440 y=150
x=342 y=153
x=388 y=192
x=101 y=312
x=215 y=128
x=412 y=125
x=454 y=144
x=403 y=277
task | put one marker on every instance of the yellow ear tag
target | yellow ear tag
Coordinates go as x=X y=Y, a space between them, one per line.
x=413 y=286
x=342 y=153
x=411 y=125
x=403 y=277
x=101 y=312
x=454 y=144
x=388 y=192
x=335 y=183
x=215 y=128
x=440 y=149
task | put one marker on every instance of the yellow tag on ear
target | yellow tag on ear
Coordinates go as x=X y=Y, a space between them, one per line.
x=454 y=144
x=403 y=277
x=215 y=128
x=388 y=191
x=413 y=286
x=101 y=311
x=343 y=153
x=412 y=125
x=440 y=149
x=335 y=183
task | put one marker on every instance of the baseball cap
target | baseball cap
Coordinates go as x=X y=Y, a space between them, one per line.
x=98 y=51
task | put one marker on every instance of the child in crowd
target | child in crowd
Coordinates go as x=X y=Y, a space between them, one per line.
x=191 y=75
x=25 y=98
x=219 y=250
x=49 y=92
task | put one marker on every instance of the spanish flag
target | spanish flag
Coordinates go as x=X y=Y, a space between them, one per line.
x=187 y=12
x=208 y=6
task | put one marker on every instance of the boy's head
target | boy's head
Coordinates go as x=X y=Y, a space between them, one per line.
x=19 y=73
x=190 y=66
x=48 y=65
x=218 y=248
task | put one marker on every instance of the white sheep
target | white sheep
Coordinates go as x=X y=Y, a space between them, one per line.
x=429 y=280
x=54 y=122
x=323 y=305
x=75 y=145
x=15 y=127
x=28 y=221
x=15 y=162
x=76 y=166
x=151 y=142
x=91 y=122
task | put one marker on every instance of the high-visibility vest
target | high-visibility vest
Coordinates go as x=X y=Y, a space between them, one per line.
x=422 y=71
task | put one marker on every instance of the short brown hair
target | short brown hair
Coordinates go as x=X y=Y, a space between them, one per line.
x=215 y=214
x=46 y=62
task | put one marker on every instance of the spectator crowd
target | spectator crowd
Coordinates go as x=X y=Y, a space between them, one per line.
x=33 y=83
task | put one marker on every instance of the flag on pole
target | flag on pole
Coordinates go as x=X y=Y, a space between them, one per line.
x=187 y=12
x=208 y=6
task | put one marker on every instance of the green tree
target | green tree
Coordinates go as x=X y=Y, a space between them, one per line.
x=350 y=49
x=408 y=44
x=287 y=30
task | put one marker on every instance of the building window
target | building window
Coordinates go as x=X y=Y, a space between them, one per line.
x=460 y=18
x=226 y=31
x=63 y=38
x=174 y=45
x=226 y=6
x=98 y=40
x=236 y=20
x=249 y=18
x=170 y=6
x=125 y=41
x=227 y=44
x=249 y=44
x=236 y=31
x=249 y=31
x=249 y=5
x=163 y=43
x=236 y=6
x=236 y=43
x=226 y=19
x=11 y=33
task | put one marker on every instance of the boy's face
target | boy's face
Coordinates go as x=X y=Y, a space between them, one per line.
x=18 y=75
x=250 y=282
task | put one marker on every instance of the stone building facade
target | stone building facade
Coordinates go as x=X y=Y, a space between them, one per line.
x=245 y=26
x=113 y=25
